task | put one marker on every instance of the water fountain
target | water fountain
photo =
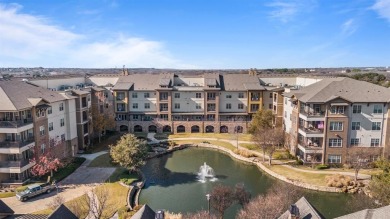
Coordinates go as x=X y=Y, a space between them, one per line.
x=206 y=172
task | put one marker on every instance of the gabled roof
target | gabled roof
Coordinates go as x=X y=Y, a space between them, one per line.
x=143 y=82
x=4 y=209
x=144 y=213
x=241 y=82
x=306 y=210
x=17 y=95
x=378 y=213
x=122 y=86
x=62 y=212
x=351 y=90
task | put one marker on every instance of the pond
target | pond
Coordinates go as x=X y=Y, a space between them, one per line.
x=172 y=183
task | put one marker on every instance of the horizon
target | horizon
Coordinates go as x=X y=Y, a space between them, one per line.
x=199 y=35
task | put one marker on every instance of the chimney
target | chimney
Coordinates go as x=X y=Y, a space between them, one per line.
x=293 y=212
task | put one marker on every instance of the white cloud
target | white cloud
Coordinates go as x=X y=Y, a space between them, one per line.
x=27 y=40
x=348 y=27
x=382 y=7
x=287 y=10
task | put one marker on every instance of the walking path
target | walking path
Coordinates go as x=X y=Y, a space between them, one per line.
x=77 y=184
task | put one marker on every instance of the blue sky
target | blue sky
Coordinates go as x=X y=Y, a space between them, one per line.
x=218 y=34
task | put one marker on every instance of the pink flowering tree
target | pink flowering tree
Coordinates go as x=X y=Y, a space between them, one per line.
x=46 y=162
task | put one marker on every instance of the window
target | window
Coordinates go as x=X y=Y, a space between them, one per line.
x=355 y=141
x=135 y=105
x=63 y=137
x=335 y=142
x=198 y=95
x=61 y=106
x=270 y=95
x=337 y=110
x=377 y=109
x=336 y=126
x=228 y=96
x=198 y=106
x=62 y=122
x=177 y=105
x=270 y=106
x=228 y=106
x=49 y=110
x=50 y=126
x=355 y=125
x=146 y=95
x=43 y=148
x=135 y=117
x=147 y=106
x=240 y=95
x=240 y=106
x=134 y=95
x=334 y=158
x=120 y=96
x=42 y=130
x=177 y=95
x=374 y=142
x=357 y=109
x=376 y=126
x=120 y=107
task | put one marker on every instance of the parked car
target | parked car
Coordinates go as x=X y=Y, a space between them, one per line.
x=35 y=190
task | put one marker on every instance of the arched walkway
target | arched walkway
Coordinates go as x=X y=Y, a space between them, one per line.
x=167 y=128
x=137 y=128
x=181 y=129
x=224 y=129
x=238 y=129
x=152 y=128
x=123 y=128
x=209 y=129
x=195 y=129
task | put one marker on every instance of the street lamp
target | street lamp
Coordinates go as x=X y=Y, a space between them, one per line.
x=208 y=200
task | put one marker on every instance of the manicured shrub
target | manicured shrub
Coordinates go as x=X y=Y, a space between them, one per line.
x=299 y=162
x=322 y=167
x=244 y=153
x=338 y=181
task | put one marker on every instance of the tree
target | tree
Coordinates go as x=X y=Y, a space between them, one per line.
x=379 y=185
x=221 y=198
x=199 y=215
x=101 y=121
x=274 y=139
x=47 y=162
x=56 y=202
x=357 y=160
x=272 y=204
x=241 y=195
x=129 y=152
x=263 y=119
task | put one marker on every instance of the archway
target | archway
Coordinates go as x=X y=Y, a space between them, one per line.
x=181 y=129
x=137 y=128
x=123 y=128
x=209 y=129
x=152 y=128
x=195 y=129
x=167 y=128
x=238 y=129
x=224 y=129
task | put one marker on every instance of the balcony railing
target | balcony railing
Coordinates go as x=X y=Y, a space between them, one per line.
x=15 y=124
x=311 y=130
x=210 y=109
x=16 y=144
x=13 y=164
x=210 y=98
x=163 y=109
x=255 y=98
x=311 y=113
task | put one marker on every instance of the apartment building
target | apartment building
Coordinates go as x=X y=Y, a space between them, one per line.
x=330 y=119
x=31 y=119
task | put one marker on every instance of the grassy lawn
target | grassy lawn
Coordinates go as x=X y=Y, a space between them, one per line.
x=218 y=143
x=68 y=169
x=374 y=171
x=105 y=142
x=311 y=178
x=123 y=175
x=278 y=154
x=44 y=211
x=241 y=137
x=10 y=194
x=161 y=136
x=103 y=160
x=116 y=194
x=141 y=134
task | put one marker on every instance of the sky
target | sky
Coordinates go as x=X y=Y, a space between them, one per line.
x=194 y=34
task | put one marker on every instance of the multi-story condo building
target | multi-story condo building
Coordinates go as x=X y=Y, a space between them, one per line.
x=333 y=118
x=31 y=119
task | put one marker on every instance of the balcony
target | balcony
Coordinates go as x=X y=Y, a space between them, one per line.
x=16 y=144
x=15 y=124
x=311 y=132
x=312 y=115
x=210 y=109
x=14 y=164
x=310 y=148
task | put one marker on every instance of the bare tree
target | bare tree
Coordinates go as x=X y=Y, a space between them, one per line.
x=199 y=215
x=272 y=204
x=358 y=160
x=222 y=197
x=260 y=137
x=275 y=138
x=56 y=202
x=241 y=195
